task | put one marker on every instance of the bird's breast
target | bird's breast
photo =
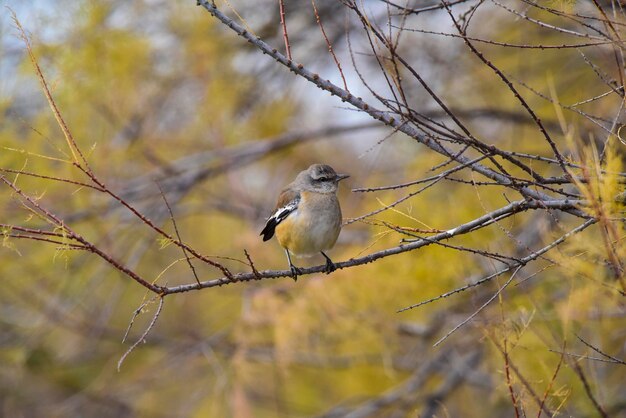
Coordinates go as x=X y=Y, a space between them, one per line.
x=313 y=227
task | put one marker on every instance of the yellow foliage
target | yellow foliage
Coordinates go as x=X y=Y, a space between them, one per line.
x=173 y=101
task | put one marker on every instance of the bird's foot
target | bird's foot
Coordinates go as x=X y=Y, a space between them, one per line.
x=330 y=266
x=295 y=271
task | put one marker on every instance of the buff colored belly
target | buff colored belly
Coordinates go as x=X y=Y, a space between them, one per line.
x=304 y=236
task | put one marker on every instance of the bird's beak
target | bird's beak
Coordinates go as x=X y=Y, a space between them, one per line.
x=342 y=176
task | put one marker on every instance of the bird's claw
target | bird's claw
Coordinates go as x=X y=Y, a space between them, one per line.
x=330 y=267
x=295 y=271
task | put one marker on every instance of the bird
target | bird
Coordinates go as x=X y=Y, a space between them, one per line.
x=307 y=218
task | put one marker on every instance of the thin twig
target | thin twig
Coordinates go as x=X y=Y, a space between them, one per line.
x=254 y=270
x=477 y=311
x=507 y=372
x=59 y=179
x=169 y=209
x=513 y=90
x=411 y=183
x=549 y=387
x=585 y=382
x=142 y=339
x=330 y=46
x=78 y=157
x=136 y=313
x=506 y=44
x=524 y=260
x=54 y=220
x=582 y=356
x=283 y=23
x=597 y=350
x=525 y=382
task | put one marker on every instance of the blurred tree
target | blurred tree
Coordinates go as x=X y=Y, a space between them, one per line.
x=484 y=136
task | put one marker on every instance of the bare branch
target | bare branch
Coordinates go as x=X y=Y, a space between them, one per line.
x=523 y=261
x=473 y=225
x=142 y=338
x=477 y=311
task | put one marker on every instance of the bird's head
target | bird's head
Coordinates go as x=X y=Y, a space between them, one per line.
x=320 y=178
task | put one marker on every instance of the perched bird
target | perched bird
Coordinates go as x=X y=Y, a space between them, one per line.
x=307 y=219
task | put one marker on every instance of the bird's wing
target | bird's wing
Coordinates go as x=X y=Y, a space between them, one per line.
x=287 y=204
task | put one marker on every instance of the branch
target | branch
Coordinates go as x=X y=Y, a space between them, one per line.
x=385 y=117
x=67 y=231
x=470 y=226
x=142 y=339
x=477 y=311
x=522 y=261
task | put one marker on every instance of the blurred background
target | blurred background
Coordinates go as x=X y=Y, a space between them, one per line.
x=160 y=96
